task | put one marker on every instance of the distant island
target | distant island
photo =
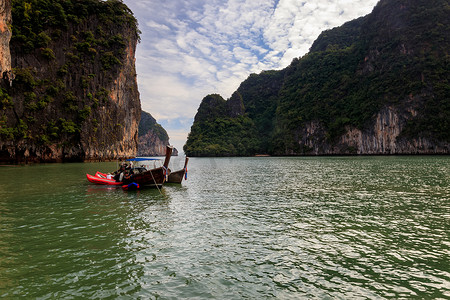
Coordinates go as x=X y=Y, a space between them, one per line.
x=153 y=138
x=375 y=85
x=68 y=90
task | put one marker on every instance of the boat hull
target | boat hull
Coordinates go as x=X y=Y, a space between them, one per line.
x=176 y=177
x=151 y=178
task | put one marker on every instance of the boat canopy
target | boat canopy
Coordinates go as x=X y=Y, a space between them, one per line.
x=142 y=159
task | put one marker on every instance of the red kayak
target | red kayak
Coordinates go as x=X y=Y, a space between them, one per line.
x=99 y=180
x=100 y=174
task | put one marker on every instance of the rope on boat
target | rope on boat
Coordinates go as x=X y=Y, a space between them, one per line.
x=155 y=182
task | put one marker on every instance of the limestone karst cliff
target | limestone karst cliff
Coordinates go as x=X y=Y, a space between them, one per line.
x=376 y=85
x=384 y=137
x=75 y=95
x=153 y=138
x=5 y=36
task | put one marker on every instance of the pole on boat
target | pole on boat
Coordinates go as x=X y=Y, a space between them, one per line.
x=169 y=150
x=185 y=168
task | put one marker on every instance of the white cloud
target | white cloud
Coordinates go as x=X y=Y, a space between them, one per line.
x=178 y=138
x=156 y=26
x=193 y=48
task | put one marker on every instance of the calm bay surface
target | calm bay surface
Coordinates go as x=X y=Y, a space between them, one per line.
x=272 y=227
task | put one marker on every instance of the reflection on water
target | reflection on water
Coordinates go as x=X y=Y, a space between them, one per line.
x=328 y=227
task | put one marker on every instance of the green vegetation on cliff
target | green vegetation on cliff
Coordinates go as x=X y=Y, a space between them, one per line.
x=37 y=22
x=395 y=57
x=260 y=98
x=153 y=138
x=148 y=123
x=400 y=53
x=66 y=55
x=219 y=130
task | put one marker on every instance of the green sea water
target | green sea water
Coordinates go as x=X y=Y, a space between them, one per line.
x=238 y=228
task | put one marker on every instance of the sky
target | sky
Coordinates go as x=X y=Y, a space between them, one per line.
x=192 y=48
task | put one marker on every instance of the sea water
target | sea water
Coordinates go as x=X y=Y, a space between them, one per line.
x=252 y=228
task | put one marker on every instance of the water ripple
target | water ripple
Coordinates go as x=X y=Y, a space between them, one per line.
x=288 y=228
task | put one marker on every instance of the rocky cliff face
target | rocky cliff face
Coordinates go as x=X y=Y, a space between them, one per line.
x=235 y=106
x=153 y=138
x=5 y=36
x=383 y=138
x=151 y=145
x=120 y=118
x=75 y=96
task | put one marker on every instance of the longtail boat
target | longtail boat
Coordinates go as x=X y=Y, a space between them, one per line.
x=151 y=177
x=141 y=173
x=177 y=176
